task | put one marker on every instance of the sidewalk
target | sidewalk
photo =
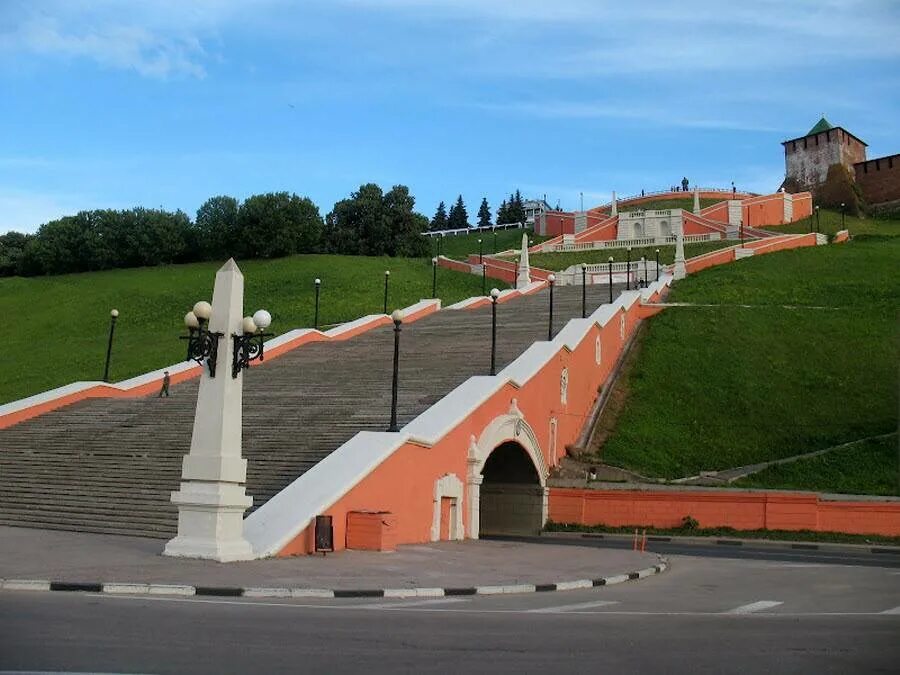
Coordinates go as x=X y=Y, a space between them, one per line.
x=107 y=559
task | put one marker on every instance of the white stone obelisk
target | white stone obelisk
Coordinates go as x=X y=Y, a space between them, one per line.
x=614 y=211
x=523 y=278
x=696 y=200
x=212 y=501
x=680 y=267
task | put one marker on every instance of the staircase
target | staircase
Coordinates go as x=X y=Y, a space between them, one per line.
x=109 y=465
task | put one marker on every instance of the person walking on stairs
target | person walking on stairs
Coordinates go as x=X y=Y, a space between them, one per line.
x=164 y=390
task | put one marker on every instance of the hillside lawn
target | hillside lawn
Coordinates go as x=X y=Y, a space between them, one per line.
x=871 y=466
x=830 y=222
x=797 y=353
x=686 y=203
x=564 y=259
x=460 y=245
x=65 y=319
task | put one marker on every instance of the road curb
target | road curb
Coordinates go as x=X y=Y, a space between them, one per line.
x=731 y=541
x=125 y=588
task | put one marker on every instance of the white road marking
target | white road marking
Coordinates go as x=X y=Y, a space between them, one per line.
x=560 y=609
x=895 y=610
x=468 y=610
x=754 y=607
x=402 y=604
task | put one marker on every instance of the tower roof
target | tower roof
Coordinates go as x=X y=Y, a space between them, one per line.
x=821 y=125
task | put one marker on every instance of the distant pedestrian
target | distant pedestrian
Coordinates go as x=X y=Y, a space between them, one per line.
x=684 y=184
x=164 y=390
x=642 y=193
x=733 y=190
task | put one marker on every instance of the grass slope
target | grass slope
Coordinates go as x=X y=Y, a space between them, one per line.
x=686 y=203
x=562 y=260
x=65 y=319
x=812 y=362
x=867 y=467
x=460 y=245
x=830 y=222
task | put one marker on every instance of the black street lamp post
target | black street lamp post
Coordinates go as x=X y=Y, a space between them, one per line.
x=843 y=213
x=387 y=276
x=495 y=293
x=434 y=277
x=646 y=277
x=113 y=315
x=657 y=264
x=397 y=318
x=483 y=279
x=817 y=218
x=583 y=290
x=316 y=319
x=495 y=241
x=628 y=269
x=552 y=281
x=610 y=278
x=481 y=252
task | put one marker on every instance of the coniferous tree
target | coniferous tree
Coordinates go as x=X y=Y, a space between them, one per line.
x=459 y=217
x=518 y=208
x=439 y=222
x=484 y=213
x=503 y=213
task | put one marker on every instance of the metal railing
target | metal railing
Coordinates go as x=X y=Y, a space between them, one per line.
x=470 y=230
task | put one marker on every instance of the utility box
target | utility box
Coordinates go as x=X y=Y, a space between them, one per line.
x=371 y=530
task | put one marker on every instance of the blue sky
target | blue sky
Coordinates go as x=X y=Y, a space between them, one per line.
x=108 y=103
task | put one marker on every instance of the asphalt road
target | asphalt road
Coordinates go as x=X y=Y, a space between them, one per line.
x=703 y=615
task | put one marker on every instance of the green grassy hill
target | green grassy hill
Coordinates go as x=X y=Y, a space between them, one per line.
x=562 y=260
x=783 y=354
x=460 y=245
x=686 y=203
x=65 y=319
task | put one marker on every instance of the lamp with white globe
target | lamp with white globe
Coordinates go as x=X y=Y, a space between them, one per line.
x=203 y=345
x=250 y=346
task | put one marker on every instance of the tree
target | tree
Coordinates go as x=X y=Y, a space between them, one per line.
x=516 y=208
x=459 y=217
x=439 y=222
x=12 y=250
x=278 y=224
x=216 y=228
x=484 y=213
x=371 y=222
x=503 y=213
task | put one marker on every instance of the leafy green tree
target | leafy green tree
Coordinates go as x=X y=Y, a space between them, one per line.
x=371 y=222
x=484 y=213
x=12 y=249
x=73 y=244
x=459 y=217
x=216 y=228
x=278 y=224
x=439 y=222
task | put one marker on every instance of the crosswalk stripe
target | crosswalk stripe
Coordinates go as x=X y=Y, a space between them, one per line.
x=755 y=607
x=569 y=608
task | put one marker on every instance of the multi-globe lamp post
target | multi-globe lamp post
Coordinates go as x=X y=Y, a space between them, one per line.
x=113 y=317
x=203 y=344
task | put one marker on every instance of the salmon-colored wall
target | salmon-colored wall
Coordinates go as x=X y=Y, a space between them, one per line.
x=603 y=230
x=693 y=225
x=762 y=211
x=404 y=483
x=740 y=510
x=558 y=222
x=803 y=206
x=717 y=212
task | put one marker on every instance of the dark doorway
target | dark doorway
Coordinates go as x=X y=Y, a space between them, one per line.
x=511 y=499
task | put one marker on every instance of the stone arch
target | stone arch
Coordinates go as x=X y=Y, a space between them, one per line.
x=450 y=487
x=503 y=429
x=665 y=229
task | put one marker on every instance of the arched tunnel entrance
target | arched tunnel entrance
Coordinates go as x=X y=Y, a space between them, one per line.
x=512 y=497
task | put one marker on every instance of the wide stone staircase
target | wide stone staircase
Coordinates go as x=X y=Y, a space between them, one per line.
x=109 y=465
